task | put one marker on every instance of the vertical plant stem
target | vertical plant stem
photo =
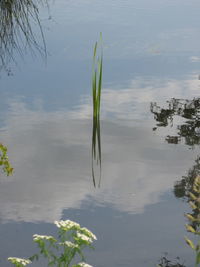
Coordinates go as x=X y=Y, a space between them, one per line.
x=97 y=69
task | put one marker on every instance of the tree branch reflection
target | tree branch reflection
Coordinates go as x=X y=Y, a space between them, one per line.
x=165 y=262
x=189 y=110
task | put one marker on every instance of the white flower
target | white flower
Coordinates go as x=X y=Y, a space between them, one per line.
x=83 y=264
x=84 y=237
x=44 y=237
x=89 y=233
x=69 y=244
x=15 y=260
x=66 y=225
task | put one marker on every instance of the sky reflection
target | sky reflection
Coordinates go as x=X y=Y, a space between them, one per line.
x=51 y=154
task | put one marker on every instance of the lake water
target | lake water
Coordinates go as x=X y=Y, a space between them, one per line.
x=151 y=70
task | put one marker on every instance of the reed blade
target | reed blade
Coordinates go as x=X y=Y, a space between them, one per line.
x=97 y=69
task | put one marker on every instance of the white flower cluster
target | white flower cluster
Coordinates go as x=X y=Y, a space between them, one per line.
x=66 y=225
x=84 y=237
x=15 y=260
x=69 y=244
x=44 y=237
x=83 y=264
x=89 y=233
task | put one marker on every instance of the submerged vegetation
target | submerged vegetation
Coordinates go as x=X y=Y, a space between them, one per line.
x=61 y=251
x=96 y=93
x=16 y=34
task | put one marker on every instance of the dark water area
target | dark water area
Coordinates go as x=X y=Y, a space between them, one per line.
x=150 y=131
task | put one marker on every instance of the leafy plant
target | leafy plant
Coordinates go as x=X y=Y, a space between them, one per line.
x=63 y=250
x=4 y=161
x=96 y=93
x=194 y=219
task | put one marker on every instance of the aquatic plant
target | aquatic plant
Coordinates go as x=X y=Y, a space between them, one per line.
x=4 y=161
x=96 y=93
x=63 y=250
x=97 y=78
x=194 y=219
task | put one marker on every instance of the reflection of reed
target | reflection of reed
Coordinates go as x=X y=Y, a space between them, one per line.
x=96 y=149
x=96 y=92
x=16 y=17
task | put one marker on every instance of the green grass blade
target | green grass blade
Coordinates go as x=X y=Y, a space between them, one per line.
x=97 y=69
x=99 y=84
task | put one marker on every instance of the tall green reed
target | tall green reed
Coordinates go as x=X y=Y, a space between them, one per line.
x=97 y=69
x=97 y=78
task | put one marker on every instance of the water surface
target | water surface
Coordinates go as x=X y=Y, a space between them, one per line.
x=151 y=55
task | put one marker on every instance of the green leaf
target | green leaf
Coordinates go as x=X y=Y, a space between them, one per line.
x=198 y=258
x=192 y=205
x=190 y=228
x=190 y=217
x=193 y=197
x=190 y=243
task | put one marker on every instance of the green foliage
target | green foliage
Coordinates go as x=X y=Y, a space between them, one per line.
x=4 y=161
x=194 y=219
x=63 y=250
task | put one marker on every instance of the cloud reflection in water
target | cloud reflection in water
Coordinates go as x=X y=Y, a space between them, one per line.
x=50 y=152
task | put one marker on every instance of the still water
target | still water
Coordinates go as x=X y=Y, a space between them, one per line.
x=150 y=130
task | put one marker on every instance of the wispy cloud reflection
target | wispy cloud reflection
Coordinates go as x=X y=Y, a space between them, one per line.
x=132 y=102
x=51 y=154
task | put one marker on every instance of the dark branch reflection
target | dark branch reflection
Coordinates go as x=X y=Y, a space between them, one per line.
x=184 y=188
x=188 y=131
x=189 y=111
x=165 y=262
x=16 y=34
x=185 y=184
